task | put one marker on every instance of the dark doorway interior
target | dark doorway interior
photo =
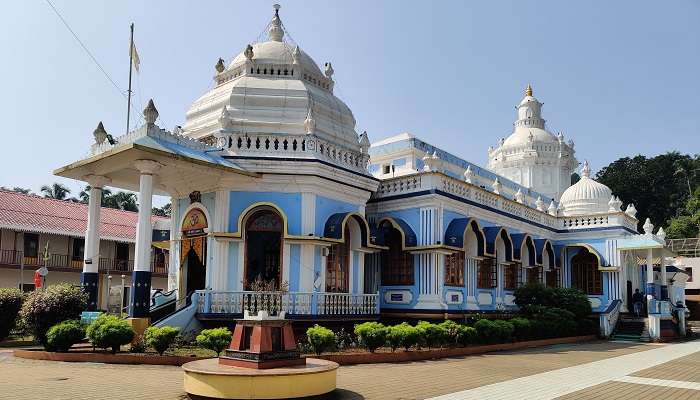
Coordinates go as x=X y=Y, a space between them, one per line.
x=196 y=273
x=263 y=256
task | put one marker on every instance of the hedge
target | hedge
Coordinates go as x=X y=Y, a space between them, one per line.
x=10 y=305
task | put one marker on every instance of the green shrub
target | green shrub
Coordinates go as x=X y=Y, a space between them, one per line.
x=402 y=335
x=10 y=304
x=320 y=339
x=108 y=331
x=450 y=332
x=522 y=328
x=161 y=338
x=494 y=331
x=466 y=335
x=572 y=300
x=63 y=335
x=45 y=308
x=217 y=339
x=344 y=339
x=371 y=335
x=534 y=294
x=432 y=335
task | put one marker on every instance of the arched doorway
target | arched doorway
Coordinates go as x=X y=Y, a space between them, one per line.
x=193 y=252
x=396 y=264
x=585 y=275
x=263 y=248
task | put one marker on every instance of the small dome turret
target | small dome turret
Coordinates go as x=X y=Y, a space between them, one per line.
x=586 y=196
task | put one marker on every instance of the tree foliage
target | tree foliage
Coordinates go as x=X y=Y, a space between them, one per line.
x=687 y=223
x=55 y=191
x=658 y=186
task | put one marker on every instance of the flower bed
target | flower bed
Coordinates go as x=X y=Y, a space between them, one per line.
x=87 y=355
x=365 y=357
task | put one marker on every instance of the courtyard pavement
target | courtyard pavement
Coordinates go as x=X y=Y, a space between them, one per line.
x=597 y=370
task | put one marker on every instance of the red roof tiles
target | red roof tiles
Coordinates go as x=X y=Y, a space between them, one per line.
x=38 y=214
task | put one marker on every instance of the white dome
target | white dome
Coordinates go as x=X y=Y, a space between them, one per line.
x=277 y=53
x=521 y=136
x=273 y=88
x=585 y=197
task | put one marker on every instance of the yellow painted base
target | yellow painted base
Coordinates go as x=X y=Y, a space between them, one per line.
x=280 y=383
x=139 y=326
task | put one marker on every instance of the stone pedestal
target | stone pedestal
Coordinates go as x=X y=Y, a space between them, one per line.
x=262 y=342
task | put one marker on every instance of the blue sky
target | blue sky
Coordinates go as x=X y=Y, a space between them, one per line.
x=620 y=78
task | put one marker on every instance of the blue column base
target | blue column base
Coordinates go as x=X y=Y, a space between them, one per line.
x=89 y=281
x=140 y=302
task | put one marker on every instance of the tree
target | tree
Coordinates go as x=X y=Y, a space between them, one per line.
x=16 y=189
x=653 y=184
x=687 y=224
x=162 y=211
x=121 y=200
x=55 y=191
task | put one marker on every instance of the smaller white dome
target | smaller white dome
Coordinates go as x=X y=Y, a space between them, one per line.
x=586 y=196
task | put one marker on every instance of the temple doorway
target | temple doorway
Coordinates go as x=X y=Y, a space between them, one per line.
x=263 y=248
x=193 y=253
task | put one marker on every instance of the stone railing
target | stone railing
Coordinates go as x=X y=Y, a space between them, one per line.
x=609 y=318
x=437 y=181
x=152 y=131
x=292 y=303
x=289 y=145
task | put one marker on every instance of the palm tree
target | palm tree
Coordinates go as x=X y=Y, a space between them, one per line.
x=16 y=189
x=55 y=191
x=84 y=195
x=123 y=201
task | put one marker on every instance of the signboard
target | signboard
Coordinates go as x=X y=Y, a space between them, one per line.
x=195 y=222
x=397 y=297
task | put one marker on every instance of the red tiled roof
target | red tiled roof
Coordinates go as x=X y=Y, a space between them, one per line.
x=38 y=214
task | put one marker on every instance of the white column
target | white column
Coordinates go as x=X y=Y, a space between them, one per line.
x=650 y=274
x=219 y=273
x=174 y=254
x=144 y=229
x=92 y=233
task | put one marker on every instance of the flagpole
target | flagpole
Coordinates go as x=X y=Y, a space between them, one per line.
x=131 y=55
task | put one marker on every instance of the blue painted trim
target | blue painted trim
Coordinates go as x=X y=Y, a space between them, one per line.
x=454 y=234
x=492 y=233
x=89 y=283
x=140 y=304
x=509 y=215
x=334 y=226
x=301 y=160
x=409 y=235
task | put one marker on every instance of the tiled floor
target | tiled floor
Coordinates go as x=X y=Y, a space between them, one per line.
x=573 y=370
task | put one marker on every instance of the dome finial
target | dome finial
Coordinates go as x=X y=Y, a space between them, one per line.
x=586 y=171
x=276 y=33
x=528 y=90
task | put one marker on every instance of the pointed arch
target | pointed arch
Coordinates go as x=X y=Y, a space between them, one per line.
x=457 y=229
x=245 y=214
x=335 y=227
x=409 y=238
x=492 y=233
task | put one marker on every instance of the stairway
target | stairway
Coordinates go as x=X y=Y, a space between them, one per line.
x=694 y=327
x=631 y=329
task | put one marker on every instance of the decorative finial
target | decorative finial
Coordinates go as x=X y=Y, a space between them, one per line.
x=427 y=162
x=519 y=197
x=296 y=55
x=586 y=171
x=648 y=227
x=364 y=142
x=276 y=33
x=496 y=186
x=150 y=113
x=468 y=174
x=631 y=210
x=528 y=90
x=661 y=234
x=220 y=65
x=248 y=53
x=552 y=210
x=539 y=204
x=100 y=133
x=309 y=123
x=225 y=118
x=329 y=70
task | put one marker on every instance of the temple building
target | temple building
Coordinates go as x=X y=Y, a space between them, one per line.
x=274 y=191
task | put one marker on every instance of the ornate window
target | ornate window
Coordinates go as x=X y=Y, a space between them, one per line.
x=454 y=269
x=584 y=273
x=397 y=265
x=534 y=275
x=553 y=278
x=512 y=277
x=337 y=265
x=263 y=241
x=486 y=273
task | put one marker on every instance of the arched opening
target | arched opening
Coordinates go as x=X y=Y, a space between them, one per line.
x=338 y=265
x=193 y=252
x=585 y=275
x=264 y=230
x=396 y=264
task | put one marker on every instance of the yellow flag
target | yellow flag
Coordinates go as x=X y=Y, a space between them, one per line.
x=135 y=57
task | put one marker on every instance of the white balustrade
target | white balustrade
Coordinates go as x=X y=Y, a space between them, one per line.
x=294 y=303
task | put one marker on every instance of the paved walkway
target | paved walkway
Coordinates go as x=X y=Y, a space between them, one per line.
x=586 y=371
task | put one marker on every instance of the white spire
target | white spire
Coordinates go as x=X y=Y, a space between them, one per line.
x=309 y=123
x=631 y=210
x=661 y=234
x=275 y=33
x=648 y=227
x=539 y=204
x=150 y=113
x=296 y=55
x=329 y=70
x=519 y=197
x=364 y=142
x=552 y=210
